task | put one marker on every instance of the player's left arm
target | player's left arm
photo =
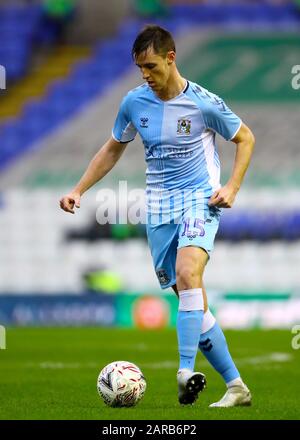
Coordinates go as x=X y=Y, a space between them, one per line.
x=225 y=196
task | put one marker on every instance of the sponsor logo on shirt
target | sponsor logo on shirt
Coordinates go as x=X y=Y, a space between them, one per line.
x=144 y=122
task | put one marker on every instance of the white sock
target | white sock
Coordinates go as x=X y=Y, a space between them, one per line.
x=208 y=321
x=191 y=299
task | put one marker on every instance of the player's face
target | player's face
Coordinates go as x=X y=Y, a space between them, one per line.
x=155 y=68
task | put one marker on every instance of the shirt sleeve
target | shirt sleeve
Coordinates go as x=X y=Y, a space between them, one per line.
x=124 y=130
x=219 y=118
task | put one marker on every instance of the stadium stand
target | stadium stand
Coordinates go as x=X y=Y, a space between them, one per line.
x=61 y=130
x=66 y=97
x=18 y=28
x=55 y=64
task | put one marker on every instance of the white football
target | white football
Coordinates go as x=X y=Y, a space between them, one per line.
x=121 y=383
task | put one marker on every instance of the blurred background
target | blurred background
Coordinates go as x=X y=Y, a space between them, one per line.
x=67 y=66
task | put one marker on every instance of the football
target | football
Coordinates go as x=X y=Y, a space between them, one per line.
x=121 y=383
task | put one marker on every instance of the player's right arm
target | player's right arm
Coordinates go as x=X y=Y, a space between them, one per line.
x=100 y=165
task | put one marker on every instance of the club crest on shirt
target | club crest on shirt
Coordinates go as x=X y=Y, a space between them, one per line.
x=162 y=276
x=183 y=127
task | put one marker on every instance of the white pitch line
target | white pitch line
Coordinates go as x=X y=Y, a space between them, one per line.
x=257 y=360
x=266 y=359
x=62 y=365
x=270 y=358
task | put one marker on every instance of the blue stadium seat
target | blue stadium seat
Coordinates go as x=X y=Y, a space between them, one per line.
x=93 y=77
x=10 y=135
x=18 y=25
x=260 y=226
x=291 y=227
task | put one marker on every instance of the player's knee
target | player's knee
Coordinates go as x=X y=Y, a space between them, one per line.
x=187 y=277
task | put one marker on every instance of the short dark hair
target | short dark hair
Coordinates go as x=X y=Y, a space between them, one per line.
x=153 y=36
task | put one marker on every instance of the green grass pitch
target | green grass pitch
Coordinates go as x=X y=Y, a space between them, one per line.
x=51 y=374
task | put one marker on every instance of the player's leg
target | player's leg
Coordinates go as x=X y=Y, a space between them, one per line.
x=174 y=287
x=214 y=347
x=213 y=343
x=195 y=241
x=163 y=242
x=190 y=263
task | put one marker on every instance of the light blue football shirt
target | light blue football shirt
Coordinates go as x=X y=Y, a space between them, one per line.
x=178 y=136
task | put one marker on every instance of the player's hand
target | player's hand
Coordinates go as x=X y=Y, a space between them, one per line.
x=223 y=197
x=68 y=202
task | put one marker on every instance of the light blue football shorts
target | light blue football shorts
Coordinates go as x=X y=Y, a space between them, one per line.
x=194 y=230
